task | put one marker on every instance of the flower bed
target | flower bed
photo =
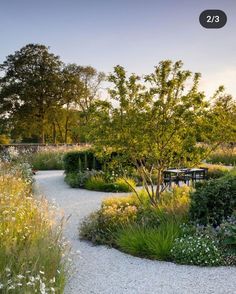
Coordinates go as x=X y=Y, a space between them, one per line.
x=31 y=246
x=169 y=231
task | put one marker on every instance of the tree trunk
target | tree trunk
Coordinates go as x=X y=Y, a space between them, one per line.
x=42 y=135
x=159 y=183
x=66 y=129
x=54 y=133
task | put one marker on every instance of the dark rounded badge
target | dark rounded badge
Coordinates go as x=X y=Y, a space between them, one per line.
x=213 y=19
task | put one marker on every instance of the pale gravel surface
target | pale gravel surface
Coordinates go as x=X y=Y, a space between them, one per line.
x=100 y=270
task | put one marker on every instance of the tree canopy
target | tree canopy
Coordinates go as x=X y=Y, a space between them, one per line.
x=42 y=97
x=156 y=121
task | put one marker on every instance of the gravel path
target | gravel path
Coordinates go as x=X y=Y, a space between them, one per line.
x=100 y=270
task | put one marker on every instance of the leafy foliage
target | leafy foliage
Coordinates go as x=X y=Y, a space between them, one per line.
x=155 y=123
x=101 y=227
x=214 y=200
x=44 y=99
x=29 y=87
x=226 y=234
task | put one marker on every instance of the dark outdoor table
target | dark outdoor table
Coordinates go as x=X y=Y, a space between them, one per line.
x=184 y=174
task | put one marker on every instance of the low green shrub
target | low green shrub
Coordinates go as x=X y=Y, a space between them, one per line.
x=226 y=234
x=79 y=179
x=149 y=242
x=93 y=229
x=101 y=227
x=73 y=180
x=214 y=200
x=197 y=249
x=98 y=183
x=224 y=237
x=125 y=184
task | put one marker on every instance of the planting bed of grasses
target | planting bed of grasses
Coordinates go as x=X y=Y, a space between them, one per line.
x=226 y=156
x=31 y=244
x=99 y=181
x=118 y=215
x=188 y=226
x=43 y=158
x=50 y=158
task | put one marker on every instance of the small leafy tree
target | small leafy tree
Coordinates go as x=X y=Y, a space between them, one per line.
x=154 y=123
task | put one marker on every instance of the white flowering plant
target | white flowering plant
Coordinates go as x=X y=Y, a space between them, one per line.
x=33 y=255
x=200 y=249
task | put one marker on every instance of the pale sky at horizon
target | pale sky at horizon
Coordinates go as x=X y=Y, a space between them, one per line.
x=133 y=33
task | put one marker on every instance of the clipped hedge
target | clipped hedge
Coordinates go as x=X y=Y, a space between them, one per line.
x=79 y=161
x=214 y=200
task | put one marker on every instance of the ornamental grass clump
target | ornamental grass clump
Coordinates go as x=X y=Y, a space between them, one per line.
x=99 y=183
x=154 y=243
x=31 y=246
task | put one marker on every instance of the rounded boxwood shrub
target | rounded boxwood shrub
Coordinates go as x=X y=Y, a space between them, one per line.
x=214 y=200
x=196 y=250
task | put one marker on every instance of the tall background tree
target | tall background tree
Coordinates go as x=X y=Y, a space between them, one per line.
x=29 y=88
x=43 y=99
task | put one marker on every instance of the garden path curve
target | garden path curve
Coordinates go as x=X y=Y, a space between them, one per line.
x=100 y=270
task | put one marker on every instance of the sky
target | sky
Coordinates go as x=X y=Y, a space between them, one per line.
x=136 y=34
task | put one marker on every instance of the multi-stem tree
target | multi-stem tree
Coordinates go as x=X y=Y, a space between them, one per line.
x=154 y=124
